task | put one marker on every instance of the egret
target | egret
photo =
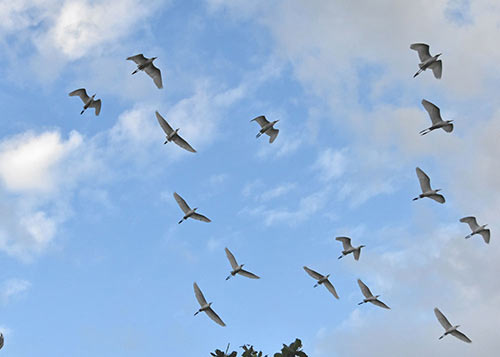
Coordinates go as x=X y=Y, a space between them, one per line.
x=206 y=307
x=427 y=61
x=369 y=296
x=146 y=65
x=449 y=330
x=476 y=228
x=427 y=191
x=188 y=212
x=437 y=122
x=266 y=127
x=322 y=279
x=88 y=102
x=238 y=269
x=348 y=248
x=172 y=134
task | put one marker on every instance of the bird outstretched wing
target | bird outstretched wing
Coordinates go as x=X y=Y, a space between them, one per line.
x=460 y=336
x=232 y=259
x=182 y=204
x=96 y=104
x=423 y=51
x=425 y=181
x=437 y=68
x=183 y=143
x=438 y=198
x=248 y=274
x=313 y=274
x=448 y=128
x=211 y=313
x=356 y=254
x=442 y=319
x=486 y=235
x=200 y=217
x=471 y=221
x=138 y=59
x=364 y=289
x=261 y=120
x=82 y=93
x=331 y=288
x=380 y=303
x=154 y=73
x=433 y=110
x=346 y=242
x=273 y=133
x=163 y=123
x=199 y=295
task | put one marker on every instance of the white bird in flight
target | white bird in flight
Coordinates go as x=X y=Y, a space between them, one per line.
x=322 y=279
x=206 y=307
x=348 y=248
x=146 y=65
x=476 y=228
x=172 y=134
x=266 y=127
x=449 y=329
x=88 y=102
x=369 y=296
x=238 y=269
x=437 y=121
x=188 y=212
x=427 y=191
x=427 y=61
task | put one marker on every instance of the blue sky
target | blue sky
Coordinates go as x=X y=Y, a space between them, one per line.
x=93 y=261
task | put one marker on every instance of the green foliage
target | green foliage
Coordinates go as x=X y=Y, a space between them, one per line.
x=292 y=350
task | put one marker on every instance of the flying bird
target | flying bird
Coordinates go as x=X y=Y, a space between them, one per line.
x=322 y=279
x=437 y=122
x=172 y=134
x=427 y=191
x=88 y=102
x=266 y=127
x=238 y=269
x=206 y=307
x=449 y=330
x=146 y=65
x=188 y=212
x=476 y=228
x=427 y=61
x=369 y=296
x=348 y=248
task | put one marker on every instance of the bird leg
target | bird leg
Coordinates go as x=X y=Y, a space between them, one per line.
x=416 y=74
x=425 y=131
x=315 y=285
x=441 y=337
x=82 y=112
x=196 y=313
x=166 y=141
x=134 y=72
x=229 y=276
x=258 y=135
x=362 y=302
x=416 y=198
x=467 y=237
x=340 y=257
x=181 y=221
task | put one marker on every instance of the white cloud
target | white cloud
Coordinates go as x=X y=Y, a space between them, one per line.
x=331 y=164
x=12 y=288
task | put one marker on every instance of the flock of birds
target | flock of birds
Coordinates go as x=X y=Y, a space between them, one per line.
x=267 y=127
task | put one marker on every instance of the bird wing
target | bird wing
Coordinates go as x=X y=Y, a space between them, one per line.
x=200 y=217
x=199 y=295
x=364 y=289
x=331 y=288
x=261 y=120
x=437 y=68
x=248 y=274
x=82 y=93
x=138 y=59
x=97 y=105
x=211 y=313
x=154 y=73
x=183 y=143
x=486 y=235
x=442 y=319
x=163 y=123
x=380 y=303
x=433 y=111
x=273 y=133
x=471 y=221
x=313 y=274
x=460 y=336
x=423 y=51
x=425 y=181
x=346 y=242
x=438 y=198
x=356 y=254
x=448 y=128
x=231 y=258
x=182 y=204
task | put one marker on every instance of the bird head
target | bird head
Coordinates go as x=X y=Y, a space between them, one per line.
x=209 y=304
x=437 y=190
x=153 y=58
x=241 y=266
x=176 y=130
x=362 y=246
x=377 y=296
x=274 y=122
x=439 y=54
x=328 y=275
x=194 y=209
x=93 y=96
